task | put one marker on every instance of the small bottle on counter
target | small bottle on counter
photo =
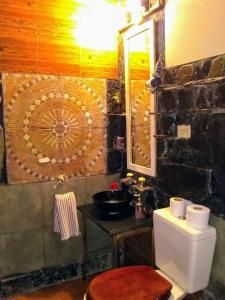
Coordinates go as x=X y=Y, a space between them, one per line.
x=139 y=213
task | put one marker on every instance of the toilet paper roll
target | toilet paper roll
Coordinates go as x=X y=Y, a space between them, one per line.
x=197 y=216
x=177 y=207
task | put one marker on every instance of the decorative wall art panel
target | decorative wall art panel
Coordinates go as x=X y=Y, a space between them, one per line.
x=58 y=119
x=141 y=141
x=2 y=146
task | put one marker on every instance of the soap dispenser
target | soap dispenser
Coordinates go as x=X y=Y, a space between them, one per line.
x=139 y=213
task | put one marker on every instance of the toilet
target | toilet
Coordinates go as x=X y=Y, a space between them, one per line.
x=183 y=256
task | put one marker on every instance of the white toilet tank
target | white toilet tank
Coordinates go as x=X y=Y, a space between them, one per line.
x=185 y=254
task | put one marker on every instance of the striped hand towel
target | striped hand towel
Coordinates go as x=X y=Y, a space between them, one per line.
x=65 y=216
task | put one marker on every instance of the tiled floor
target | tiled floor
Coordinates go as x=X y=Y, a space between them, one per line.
x=72 y=290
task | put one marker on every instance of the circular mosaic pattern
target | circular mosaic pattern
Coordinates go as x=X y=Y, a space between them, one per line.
x=52 y=122
x=63 y=122
x=141 y=128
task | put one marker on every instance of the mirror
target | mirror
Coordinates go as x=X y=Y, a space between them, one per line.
x=140 y=103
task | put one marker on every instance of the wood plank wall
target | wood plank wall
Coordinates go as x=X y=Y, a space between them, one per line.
x=38 y=36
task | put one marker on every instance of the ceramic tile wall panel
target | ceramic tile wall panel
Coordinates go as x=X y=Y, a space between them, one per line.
x=58 y=118
x=69 y=37
x=140 y=123
x=18 y=36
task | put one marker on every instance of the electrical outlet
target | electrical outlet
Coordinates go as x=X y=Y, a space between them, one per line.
x=183 y=131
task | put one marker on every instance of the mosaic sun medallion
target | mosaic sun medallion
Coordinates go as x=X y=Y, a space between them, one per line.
x=141 y=138
x=54 y=125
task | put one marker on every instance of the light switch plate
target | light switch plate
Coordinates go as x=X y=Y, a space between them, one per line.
x=183 y=131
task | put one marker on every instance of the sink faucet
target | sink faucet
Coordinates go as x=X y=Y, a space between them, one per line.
x=129 y=179
x=140 y=193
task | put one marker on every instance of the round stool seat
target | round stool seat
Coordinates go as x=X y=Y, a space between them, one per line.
x=129 y=283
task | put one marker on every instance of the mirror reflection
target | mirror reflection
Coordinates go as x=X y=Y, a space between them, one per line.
x=139 y=61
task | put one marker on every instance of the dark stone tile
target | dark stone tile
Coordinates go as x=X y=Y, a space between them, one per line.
x=116 y=162
x=219 y=96
x=167 y=101
x=52 y=275
x=206 y=64
x=215 y=290
x=37 y=278
x=166 y=124
x=161 y=198
x=23 y=283
x=203 y=97
x=216 y=139
x=184 y=74
x=183 y=117
x=199 y=142
x=161 y=147
x=69 y=271
x=184 y=180
x=180 y=151
x=99 y=262
x=186 y=99
x=169 y=76
x=17 y=285
x=216 y=203
x=201 y=69
x=217 y=68
x=116 y=127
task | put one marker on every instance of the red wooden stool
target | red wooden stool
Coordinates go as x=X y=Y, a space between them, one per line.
x=129 y=283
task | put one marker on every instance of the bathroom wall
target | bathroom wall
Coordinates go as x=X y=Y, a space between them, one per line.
x=59 y=119
x=66 y=37
x=194 y=30
x=194 y=94
x=194 y=168
x=27 y=208
x=29 y=245
x=43 y=41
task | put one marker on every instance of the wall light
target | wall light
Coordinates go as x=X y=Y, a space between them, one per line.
x=98 y=24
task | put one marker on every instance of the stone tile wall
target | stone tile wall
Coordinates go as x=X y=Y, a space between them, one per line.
x=28 y=245
x=194 y=94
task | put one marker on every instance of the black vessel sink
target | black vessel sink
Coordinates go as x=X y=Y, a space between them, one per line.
x=113 y=202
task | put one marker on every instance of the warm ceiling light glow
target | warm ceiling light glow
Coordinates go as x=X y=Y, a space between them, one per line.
x=172 y=16
x=97 y=25
x=134 y=7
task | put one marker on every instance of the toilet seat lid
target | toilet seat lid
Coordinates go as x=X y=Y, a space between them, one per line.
x=129 y=283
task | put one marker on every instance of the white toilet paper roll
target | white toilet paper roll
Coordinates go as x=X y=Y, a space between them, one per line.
x=197 y=216
x=177 y=207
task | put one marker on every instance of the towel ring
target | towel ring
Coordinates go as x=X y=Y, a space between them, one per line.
x=61 y=179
